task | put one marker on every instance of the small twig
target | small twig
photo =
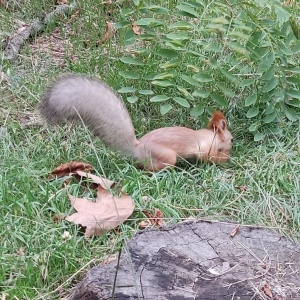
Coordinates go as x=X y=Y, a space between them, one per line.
x=258 y=292
x=251 y=252
x=254 y=277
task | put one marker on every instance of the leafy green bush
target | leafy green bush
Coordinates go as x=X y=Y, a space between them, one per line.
x=203 y=55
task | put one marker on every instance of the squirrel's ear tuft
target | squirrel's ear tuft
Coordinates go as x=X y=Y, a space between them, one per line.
x=218 y=123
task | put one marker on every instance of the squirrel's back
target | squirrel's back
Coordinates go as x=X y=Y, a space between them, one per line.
x=77 y=97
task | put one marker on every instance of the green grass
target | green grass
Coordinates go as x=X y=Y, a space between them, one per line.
x=260 y=186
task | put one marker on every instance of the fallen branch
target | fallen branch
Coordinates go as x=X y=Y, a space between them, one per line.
x=14 y=45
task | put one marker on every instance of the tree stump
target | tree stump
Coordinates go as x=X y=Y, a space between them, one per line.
x=198 y=260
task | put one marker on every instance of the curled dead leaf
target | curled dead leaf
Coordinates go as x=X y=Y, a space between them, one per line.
x=105 y=214
x=136 y=29
x=70 y=168
x=108 y=34
x=155 y=218
x=145 y=224
x=58 y=217
x=267 y=291
x=105 y=183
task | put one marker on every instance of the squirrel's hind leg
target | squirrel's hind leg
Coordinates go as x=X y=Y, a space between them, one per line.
x=161 y=158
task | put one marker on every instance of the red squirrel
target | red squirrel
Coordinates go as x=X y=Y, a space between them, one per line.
x=79 y=97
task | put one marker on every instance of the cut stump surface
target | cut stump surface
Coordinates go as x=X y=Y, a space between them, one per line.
x=199 y=260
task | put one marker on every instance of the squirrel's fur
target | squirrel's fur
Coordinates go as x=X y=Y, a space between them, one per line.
x=78 y=97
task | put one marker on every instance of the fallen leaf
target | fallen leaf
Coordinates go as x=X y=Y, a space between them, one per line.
x=70 y=168
x=58 y=217
x=105 y=214
x=154 y=219
x=108 y=34
x=136 y=29
x=235 y=231
x=264 y=266
x=105 y=183
x=145 y=224
x=266 y=290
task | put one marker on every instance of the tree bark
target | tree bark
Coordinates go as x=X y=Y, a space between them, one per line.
x=199 y=261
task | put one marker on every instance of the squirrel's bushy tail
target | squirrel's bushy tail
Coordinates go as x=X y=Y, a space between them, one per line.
x=77 y=97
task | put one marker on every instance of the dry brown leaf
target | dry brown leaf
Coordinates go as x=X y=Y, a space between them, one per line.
x=145 y=224
x=70 y=168
x=136 y=29
x=107 y=213
x=266 y=290
x=154 y=219
x=58 y=217
x=105 y=183
x=235 y=231
x=108 y=34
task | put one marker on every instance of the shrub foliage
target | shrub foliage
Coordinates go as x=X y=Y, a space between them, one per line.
x=203 y=55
